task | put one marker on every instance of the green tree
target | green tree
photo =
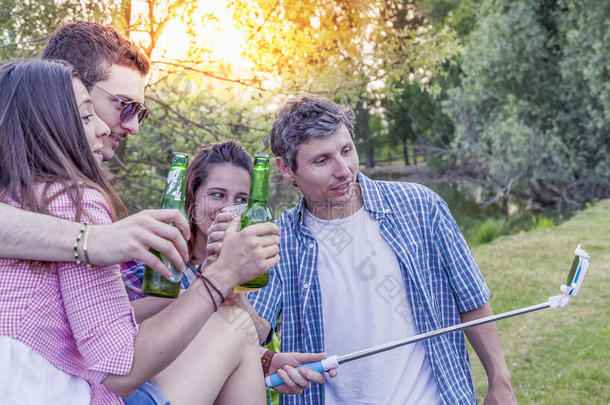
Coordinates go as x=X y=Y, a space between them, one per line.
x=346 y=50
x=409 y=110
x=369 y=131
x=524 y=125
x=584 y=122
x=26 y=25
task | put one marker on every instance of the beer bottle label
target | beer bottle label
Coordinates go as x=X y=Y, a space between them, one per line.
x=174 y=184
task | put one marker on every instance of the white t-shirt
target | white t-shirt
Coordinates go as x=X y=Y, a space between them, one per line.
x=27 y=378
x=364 y=304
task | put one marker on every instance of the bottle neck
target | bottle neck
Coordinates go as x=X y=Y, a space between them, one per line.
x=175 y=188
x=259 y=188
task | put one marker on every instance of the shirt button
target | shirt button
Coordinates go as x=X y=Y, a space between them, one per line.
x=311 y=245
x=305 y=285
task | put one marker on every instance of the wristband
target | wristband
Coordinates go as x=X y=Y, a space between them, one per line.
x=266 y=361
x=85 y=240
x=206 y=281
x=77 y=242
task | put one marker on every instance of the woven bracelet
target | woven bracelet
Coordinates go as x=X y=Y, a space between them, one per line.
x=77 y=242
x=85 y=240
x=207 y=280
x=209 y=292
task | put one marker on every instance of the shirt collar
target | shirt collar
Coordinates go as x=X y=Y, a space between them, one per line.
x=371 y=195
x=300 y=213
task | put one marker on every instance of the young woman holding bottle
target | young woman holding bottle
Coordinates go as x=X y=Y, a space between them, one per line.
x=217 y=178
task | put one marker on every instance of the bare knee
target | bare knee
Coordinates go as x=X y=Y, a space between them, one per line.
x=225 y=342
x=237 y=323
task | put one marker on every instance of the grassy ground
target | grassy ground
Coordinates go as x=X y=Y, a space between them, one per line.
x=557 y=356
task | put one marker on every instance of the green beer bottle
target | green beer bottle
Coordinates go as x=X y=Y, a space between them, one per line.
x=256 y=212
x=173 y=198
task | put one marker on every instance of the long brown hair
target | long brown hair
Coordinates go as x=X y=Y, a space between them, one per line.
x=42 y=139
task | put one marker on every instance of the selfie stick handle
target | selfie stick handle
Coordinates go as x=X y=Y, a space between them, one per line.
x=320 y=366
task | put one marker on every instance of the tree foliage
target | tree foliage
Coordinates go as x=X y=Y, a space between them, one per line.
x=409 y=110
x=531 y=110
x=514 y=95
x=345 y=50
x=26 y=24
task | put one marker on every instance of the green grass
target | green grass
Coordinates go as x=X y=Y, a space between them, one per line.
x=557 y=356
x=487 y=231
x=540 y=223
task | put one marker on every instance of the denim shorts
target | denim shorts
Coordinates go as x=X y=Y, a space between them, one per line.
x=146 y=394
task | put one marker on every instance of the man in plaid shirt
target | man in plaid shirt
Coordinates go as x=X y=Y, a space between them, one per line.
x=365 y=262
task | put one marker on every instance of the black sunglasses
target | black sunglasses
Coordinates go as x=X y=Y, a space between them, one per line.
x=129 y=109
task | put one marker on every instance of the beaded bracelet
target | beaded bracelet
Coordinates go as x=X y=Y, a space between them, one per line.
x=77 y=241
x=85 y=240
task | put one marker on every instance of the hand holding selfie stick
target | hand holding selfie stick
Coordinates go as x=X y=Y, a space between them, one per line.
x=580 y=264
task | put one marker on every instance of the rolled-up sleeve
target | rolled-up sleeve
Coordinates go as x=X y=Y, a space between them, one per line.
x=469 y=287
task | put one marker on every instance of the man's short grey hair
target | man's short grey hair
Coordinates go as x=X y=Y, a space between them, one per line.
x=304 y=118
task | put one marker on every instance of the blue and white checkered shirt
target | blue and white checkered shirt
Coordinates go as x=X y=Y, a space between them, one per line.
x=439 y=272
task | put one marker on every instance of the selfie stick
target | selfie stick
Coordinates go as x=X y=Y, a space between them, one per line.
x=580 y=264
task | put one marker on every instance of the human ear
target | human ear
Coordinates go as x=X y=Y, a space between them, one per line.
x=284 y=169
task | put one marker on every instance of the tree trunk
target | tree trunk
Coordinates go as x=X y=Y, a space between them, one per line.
x=405 y=151
x=127 y=16
x=362 y=132
x=370 y=157
x=414 y=147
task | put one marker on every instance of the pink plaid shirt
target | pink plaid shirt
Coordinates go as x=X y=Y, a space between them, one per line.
x=77 y=318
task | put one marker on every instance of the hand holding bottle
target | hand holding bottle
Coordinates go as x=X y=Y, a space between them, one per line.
x=257 y=211
x=133 y=236
x=246 y=254
x=216 y=233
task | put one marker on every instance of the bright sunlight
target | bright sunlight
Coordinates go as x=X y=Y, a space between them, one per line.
x=208 y=35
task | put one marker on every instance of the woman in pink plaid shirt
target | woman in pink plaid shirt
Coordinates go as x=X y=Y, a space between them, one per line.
x=67 y=331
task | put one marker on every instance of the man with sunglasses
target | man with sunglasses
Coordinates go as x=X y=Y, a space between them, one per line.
x=114 y=71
